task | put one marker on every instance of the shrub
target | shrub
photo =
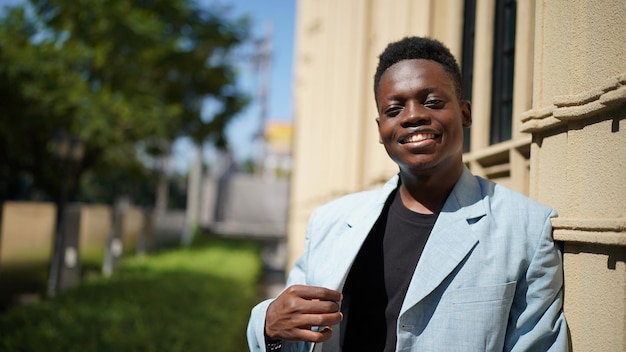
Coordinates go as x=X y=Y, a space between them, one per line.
x=193 y=299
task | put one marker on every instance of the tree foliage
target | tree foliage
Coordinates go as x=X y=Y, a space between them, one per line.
x=125 y=77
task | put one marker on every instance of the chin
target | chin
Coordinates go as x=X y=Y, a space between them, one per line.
x=430 y=167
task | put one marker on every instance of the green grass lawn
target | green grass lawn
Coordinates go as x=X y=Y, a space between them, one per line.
x=195 y=299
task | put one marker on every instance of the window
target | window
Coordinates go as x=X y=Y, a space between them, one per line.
x=503 y=70
x=467 y=59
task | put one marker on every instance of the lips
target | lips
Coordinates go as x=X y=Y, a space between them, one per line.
x=418 y=137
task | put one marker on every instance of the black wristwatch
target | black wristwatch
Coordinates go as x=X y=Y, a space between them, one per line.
x=273 y=346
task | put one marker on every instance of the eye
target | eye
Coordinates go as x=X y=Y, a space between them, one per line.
x=393 y=111
x=434 y=103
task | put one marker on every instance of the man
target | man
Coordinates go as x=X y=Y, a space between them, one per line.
x=435 y=260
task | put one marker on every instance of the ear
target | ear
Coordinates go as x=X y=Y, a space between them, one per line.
x=380 y=139
x=466 y=112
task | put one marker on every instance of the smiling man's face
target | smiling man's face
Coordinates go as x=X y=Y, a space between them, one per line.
x=420 y=118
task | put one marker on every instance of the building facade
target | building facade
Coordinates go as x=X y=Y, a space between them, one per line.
x=547 y=82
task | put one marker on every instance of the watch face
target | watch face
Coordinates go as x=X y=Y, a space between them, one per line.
x=274 y=346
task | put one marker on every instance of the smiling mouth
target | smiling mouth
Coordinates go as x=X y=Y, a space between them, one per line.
x=417 y=137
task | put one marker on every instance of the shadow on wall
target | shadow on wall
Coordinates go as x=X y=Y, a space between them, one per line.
x=613 y=254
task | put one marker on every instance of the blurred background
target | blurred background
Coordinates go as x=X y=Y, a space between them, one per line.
x=159 y=160
x=132 y=128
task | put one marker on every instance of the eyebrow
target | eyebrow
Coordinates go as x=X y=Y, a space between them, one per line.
x=427 y=90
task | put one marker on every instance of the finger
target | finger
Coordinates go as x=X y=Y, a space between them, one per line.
x=308 y=321
x=314 y=336
x=317 y=307
x=316 y=292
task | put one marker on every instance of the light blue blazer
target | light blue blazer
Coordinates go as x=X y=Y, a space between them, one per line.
x=489 y=279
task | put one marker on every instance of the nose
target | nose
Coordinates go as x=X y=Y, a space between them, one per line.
x=415 y=114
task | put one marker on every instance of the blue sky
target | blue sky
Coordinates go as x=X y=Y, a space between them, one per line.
x=241 y=132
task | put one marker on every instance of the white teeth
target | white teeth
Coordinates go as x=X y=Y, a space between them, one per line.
x=419 y=137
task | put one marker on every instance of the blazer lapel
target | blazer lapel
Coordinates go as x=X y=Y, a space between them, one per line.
x=358 y=226
x=450 y=241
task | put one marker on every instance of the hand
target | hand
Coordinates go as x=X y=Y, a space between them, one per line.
x=299 y=308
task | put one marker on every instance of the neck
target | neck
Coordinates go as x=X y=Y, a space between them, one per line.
x=426 y=194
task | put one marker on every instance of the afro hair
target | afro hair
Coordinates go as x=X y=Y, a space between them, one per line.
x=412 y=48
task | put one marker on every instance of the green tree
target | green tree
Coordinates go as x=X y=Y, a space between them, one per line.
x=126 y=77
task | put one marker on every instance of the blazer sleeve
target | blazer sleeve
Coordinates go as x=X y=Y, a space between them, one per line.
x=256 y=324
x=536 y=321
x=256 y=327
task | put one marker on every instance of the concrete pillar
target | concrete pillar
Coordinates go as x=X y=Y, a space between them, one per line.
x=578 y=124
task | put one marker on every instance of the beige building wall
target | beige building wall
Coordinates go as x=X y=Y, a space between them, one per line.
x=578 y=158
x=568 y=145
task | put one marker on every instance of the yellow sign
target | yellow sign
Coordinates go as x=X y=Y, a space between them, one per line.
x=279 y=135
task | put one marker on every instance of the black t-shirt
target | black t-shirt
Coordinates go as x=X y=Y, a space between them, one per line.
x=380 y=276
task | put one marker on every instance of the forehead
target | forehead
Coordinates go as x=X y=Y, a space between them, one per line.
x=415 y=72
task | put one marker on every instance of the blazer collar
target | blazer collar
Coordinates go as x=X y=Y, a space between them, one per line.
x=466 y=197
x=357 y=217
